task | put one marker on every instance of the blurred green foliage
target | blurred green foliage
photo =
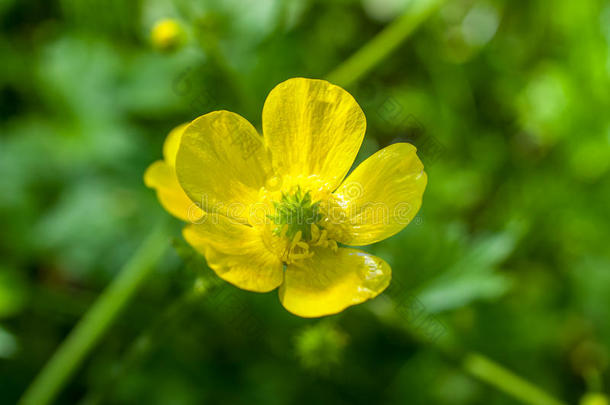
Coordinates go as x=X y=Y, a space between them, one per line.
x=508 y=103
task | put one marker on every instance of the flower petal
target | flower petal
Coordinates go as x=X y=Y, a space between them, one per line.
x=381 y=196
x=171 y=144
x=236 y=253
x=162 y=177
x=313 y=127
x=222 y=163
x=331 y=281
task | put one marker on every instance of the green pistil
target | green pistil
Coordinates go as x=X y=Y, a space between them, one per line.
x=298 y=212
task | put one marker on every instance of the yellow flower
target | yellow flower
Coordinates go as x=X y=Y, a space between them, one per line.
x=161 y=176
x=278 y=206
x=167 y=35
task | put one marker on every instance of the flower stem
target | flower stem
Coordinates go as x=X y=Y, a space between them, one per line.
x=149 y=340
x=504 y=380
x=96 y=321
x=383 y=43
x=476 y=364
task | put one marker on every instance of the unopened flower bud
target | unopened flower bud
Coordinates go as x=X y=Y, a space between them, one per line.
x=167 y=35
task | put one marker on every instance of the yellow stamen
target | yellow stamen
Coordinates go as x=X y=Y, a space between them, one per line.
x=283 y=231
x=295 y=240
x=323 y=238
x=315 y=232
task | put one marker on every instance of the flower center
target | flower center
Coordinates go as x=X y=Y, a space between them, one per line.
x=297 y=226
x=295 y=213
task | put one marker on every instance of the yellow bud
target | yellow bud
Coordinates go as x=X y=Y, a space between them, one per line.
x=594 y=398
x=167 y=35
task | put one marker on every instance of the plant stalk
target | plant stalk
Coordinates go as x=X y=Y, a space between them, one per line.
x=90 y=329
x=384 y=43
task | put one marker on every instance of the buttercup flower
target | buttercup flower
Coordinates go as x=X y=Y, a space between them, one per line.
x=167 y=35
x=277 y=209
x=161 y=176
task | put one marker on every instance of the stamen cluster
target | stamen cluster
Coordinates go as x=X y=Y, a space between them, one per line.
x=297 y=220
x=295 y=213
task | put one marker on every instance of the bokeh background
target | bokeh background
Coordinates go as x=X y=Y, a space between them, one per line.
x=507 y=261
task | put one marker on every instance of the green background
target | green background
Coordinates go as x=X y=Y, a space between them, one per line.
x=508 y=104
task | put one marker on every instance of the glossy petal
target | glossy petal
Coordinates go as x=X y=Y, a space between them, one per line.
x=313 y=127
x=171 y=144
x=380 y=197
x=331 y=281
x=162 y=177
x=222 y=163
x=236 y=253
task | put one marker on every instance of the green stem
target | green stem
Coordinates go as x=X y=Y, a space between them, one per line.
x=383 y=43
x=504 y=380
x=150 y=339
x=96 y=321
x=349 y=72
x=473 y=363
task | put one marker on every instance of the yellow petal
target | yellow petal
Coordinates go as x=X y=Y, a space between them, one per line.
x=162 y=177
x=222 y=163
x=380 y=197
x=171 y=144
x=331 y=281
x=313 y=127
x=236 y=253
